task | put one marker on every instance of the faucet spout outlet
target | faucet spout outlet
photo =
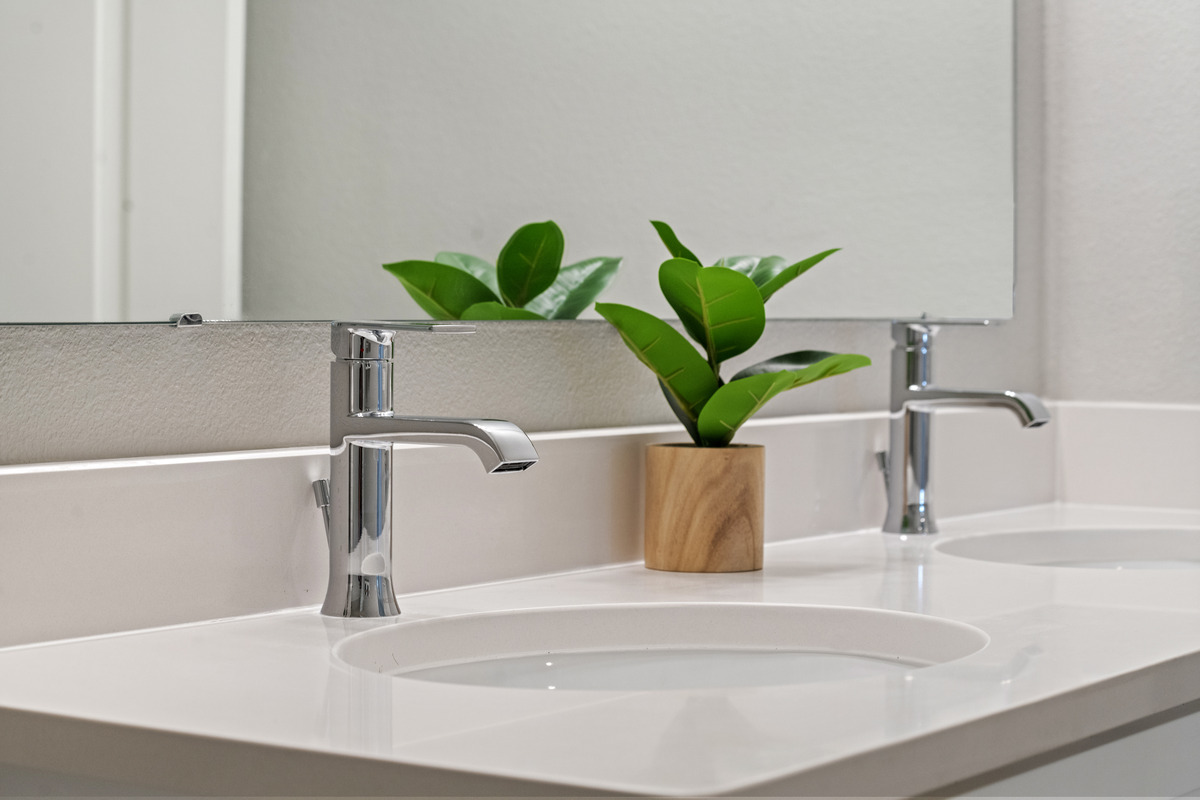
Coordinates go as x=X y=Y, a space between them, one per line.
x=363 y=426
x=905 y=466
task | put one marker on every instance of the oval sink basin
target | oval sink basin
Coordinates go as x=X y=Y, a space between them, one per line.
x=660 y=646
x=1093 y=548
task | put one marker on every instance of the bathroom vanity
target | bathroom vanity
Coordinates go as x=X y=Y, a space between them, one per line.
x=161 y=630
x=983 y=664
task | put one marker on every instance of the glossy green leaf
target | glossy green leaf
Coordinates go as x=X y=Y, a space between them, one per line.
x=788 y=361
x=834 y=364
x=529 y=262
x=773 y=278
x=766 y=269
x=576 y=287
x=742 y=264
x=734 y=403
x=442 y=291
x=737 y=401
x=674 y=246
x=667 y=353
x=481 y=269
x=494 y=310
x=719 y=307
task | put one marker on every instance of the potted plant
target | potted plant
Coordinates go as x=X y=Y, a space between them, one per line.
x=704 y=501
x=527 y=281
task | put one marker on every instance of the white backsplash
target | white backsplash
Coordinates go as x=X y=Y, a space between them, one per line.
x=1129 y=454
x=96 y=547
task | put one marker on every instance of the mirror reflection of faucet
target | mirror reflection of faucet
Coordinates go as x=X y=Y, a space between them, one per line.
x=906 y=464
x=356 y=501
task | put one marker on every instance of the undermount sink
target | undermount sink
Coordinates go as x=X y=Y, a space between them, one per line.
x=649 y=647
x=1094 y=548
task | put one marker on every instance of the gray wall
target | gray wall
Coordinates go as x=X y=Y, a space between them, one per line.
x=1123 y=200
x=388 y=129
x=1114 y=324
x=108 y=391
x=45 y=201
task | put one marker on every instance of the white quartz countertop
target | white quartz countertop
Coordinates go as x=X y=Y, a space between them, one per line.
x=1071 y=653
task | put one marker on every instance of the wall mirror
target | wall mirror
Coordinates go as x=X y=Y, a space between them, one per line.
x=260 y=159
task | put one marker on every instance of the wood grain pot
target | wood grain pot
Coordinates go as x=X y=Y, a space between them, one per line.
x=704 y=508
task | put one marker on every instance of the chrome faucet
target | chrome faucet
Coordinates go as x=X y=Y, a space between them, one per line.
x=906 y=464
x=357 y=498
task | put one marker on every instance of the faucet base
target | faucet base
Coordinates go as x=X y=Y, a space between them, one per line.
x=362 y=596
x=917 y=518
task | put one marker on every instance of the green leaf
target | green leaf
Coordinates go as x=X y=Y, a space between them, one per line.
x=674 y=246
x=835 y=364
x=444 y=292
x=575 y=289
x=481 y=269
x=734 y=403
x=788 y=361
x=719 y=307
x=529 y=262
x=773 y=279
x=766 y=269
x=742 y=264
x=667 y=353
x=741 y=398
x=494 y=310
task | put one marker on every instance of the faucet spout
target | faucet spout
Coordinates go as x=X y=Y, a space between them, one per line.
x=500 y=445
x=905 y=466
x=1028 y=408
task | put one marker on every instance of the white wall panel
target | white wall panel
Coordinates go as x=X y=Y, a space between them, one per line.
x=47 y=49
x=1123 y=202
x=185 y=180
x=120 y=159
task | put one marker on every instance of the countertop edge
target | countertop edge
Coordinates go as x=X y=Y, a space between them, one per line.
x=961 y=756
x=218 y=766
x=953 y=758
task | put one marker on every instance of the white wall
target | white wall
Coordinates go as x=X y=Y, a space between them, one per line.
x=389 y=130
x=184 y=174
x=47 y=53
x=120 y=159
x=1123 y=200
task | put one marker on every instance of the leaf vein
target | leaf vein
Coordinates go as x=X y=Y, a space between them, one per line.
x=738 y=321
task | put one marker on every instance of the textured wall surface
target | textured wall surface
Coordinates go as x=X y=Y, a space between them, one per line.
x=111 y=391
x=105 y=391
x=1123 y=200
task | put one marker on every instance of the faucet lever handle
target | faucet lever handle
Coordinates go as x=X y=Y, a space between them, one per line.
x=321 y=496
x=372 y=341
x=881 y=460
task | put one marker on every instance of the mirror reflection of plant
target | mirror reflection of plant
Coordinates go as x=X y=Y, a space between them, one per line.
x=527 y=281
x=723 y=308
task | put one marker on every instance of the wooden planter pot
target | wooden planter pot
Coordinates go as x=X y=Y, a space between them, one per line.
x=704 y=508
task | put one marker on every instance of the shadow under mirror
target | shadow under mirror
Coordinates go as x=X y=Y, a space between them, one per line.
x=263 y=159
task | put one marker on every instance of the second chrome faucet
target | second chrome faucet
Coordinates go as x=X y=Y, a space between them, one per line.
x=906 y=463
x=357 y=498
